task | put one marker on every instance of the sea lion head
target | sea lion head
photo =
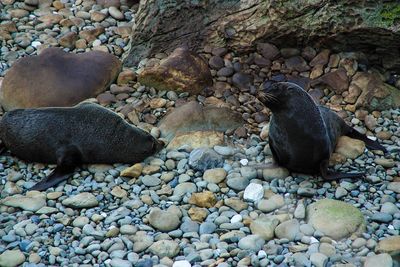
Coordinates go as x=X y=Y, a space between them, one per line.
x=278 y=95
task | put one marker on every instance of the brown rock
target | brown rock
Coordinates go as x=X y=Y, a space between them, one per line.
x=390 y=245
x=235 y=203
x=197 y=139
x=317 y=71
x=8 y=26
x=68 y=40
x=350 y=148
x=197 y=214
x=126 y=76
x=97 y=16
x=81 y=44
x=204 y=199
x=296 y=63
x=51 y=19
x=91 y=34
x=336 y=80
x=57 y=78
x=123 y=31
x=18 y=13
x=370 y=122
x=157 y=103
x=134 y=171
x=194 y=117
x=375 y=94
x=321 y=59
x=183 y=71
x=58 y=5
x=354 y=93
x=108 y=3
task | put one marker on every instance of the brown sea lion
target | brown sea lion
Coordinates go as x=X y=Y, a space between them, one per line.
x=303 y=135
x=69 y=137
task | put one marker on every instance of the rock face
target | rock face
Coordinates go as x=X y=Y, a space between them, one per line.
x=183 y=71
x=365 y=27
x=57 y=78
x=194 y=117
x=335 y=219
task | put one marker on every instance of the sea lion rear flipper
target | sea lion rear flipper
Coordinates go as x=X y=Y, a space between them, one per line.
x=370 y=144
x=68 y=157
x=59 y=174
x=2 y=147
x=328 y=175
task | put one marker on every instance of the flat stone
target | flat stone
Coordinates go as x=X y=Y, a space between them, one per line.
x=82 y=200
x=25 y=202
x=164 y=248
x=197 y=139
x=11 y=258
x=335 y=219
x=194 y=117
x=164 y=221
x=381 y=260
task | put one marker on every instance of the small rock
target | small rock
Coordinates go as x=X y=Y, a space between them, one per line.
x=204 y=199
x=134 y=171
x=318 y=259
x=214 y=175
x=165 y=248
x=381 y=260
x=82 y=200
x=252 y=243
x=164 y=220
x=253 y=192
x=288 y=229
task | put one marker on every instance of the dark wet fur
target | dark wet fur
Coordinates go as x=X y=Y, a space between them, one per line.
x=302 y=135
x=69 y=137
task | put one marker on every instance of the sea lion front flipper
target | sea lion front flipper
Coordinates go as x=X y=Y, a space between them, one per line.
x=328 y=175
x=370 y=144
x=68 y=158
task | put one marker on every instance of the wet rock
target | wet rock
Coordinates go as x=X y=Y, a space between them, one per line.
x=183 y=70
x=193 y=117
x=57 y=78
x=335 y=219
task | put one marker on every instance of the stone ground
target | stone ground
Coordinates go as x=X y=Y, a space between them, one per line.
x=214 y=206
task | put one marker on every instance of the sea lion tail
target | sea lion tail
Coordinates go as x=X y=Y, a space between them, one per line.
x=370 y=144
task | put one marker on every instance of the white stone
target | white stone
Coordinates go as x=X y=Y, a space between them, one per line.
x=183 y=263
x=35 y=44
x=236 y=218
x=244 y=162
x=253 y=192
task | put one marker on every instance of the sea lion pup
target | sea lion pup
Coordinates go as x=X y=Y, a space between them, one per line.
x=83 y=134
x=302 y=135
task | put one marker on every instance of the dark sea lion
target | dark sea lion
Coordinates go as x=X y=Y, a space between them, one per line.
x=68 y=137
x=303 y=135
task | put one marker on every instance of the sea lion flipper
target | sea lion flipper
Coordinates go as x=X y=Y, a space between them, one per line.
x=57 y=176
x=68 y=157
x=370 y=144
x=328 y=175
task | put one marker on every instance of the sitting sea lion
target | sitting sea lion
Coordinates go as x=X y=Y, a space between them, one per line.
x=69 y=137
x=302 y=135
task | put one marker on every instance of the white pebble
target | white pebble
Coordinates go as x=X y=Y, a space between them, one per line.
x=313 y=240
x=35 y=44
x=253 y=192
x=236 y=218
x=244 y=162
x=183 y=263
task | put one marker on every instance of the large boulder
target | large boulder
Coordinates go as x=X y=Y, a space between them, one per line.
x=335 y=219
x=57 y=78
x=195 y=117
x=182 y=71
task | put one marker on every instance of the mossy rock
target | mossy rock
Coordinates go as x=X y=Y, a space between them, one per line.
x=335 y=219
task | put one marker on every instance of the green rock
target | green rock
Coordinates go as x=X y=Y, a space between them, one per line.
x=335 y=219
